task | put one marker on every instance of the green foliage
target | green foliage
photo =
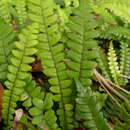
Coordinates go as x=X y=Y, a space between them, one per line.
x=103 y=63
x=113 y=64
x=42 y=112
x=125 y=113
x=20 y=10
x=6 y=37
x=31 y=90
x=88 y=109
x=52 y=56
x=115 y=33
x=81 y=44
x=5 y=10
x=124 y=59
x=118 y=8
x=17 y=70
x=45 y=45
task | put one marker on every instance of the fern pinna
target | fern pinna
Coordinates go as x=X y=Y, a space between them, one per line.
x=39 y=105
x=52 y=57
x=87 y=109
x=17 y=70
x=5 y=10
x=81 y=44
x=6 y=37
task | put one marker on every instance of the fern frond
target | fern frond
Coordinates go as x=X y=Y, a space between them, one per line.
x=119 y=8
x=88 y=110
x=6 y=37
x=125 y=60
x=103 y=63
x=105 y=17
x=115 y=33
x=51 y=53
x=5 y=10
x=125 y=113
x=81 y=44
x=21 y=10
x=31 y=90
x=113 y=64
x=18 y=69
x=39 y=105
x=42 y=113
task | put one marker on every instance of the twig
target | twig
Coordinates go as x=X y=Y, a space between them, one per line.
x=108 y=92
x=127 y=77
x=125 y=91
x=106 y=84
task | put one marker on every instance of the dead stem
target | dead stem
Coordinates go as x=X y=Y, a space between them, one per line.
x=108 y=91
x=127 y=77
x=117 y=86
x=108 y=85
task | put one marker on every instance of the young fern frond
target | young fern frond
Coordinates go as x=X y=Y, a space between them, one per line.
x=87 y=109
x=18 y=70
x=52 y=57
x=81 y=44
x=6 y=37
x=125 y=60
x=113 y=64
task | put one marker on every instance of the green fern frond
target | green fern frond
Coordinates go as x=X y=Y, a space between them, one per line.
x=103 y=63
x=125 y=60
x=5 y=10
x=39 y=105
x=18 y=69
x=113 y=64
x=115 y=33
x=125 y=113
x=110 y=109
x=42 y=113
x=31 y=90
x=51 y=53
x=105 y=18
x=119 y=8
x=6 y=37
x=88 y=110
x=81 y=44
x=21 y=10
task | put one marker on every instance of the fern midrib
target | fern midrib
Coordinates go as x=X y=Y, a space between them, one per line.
x=59 y=84
x=83 y=50
x=14 y=84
